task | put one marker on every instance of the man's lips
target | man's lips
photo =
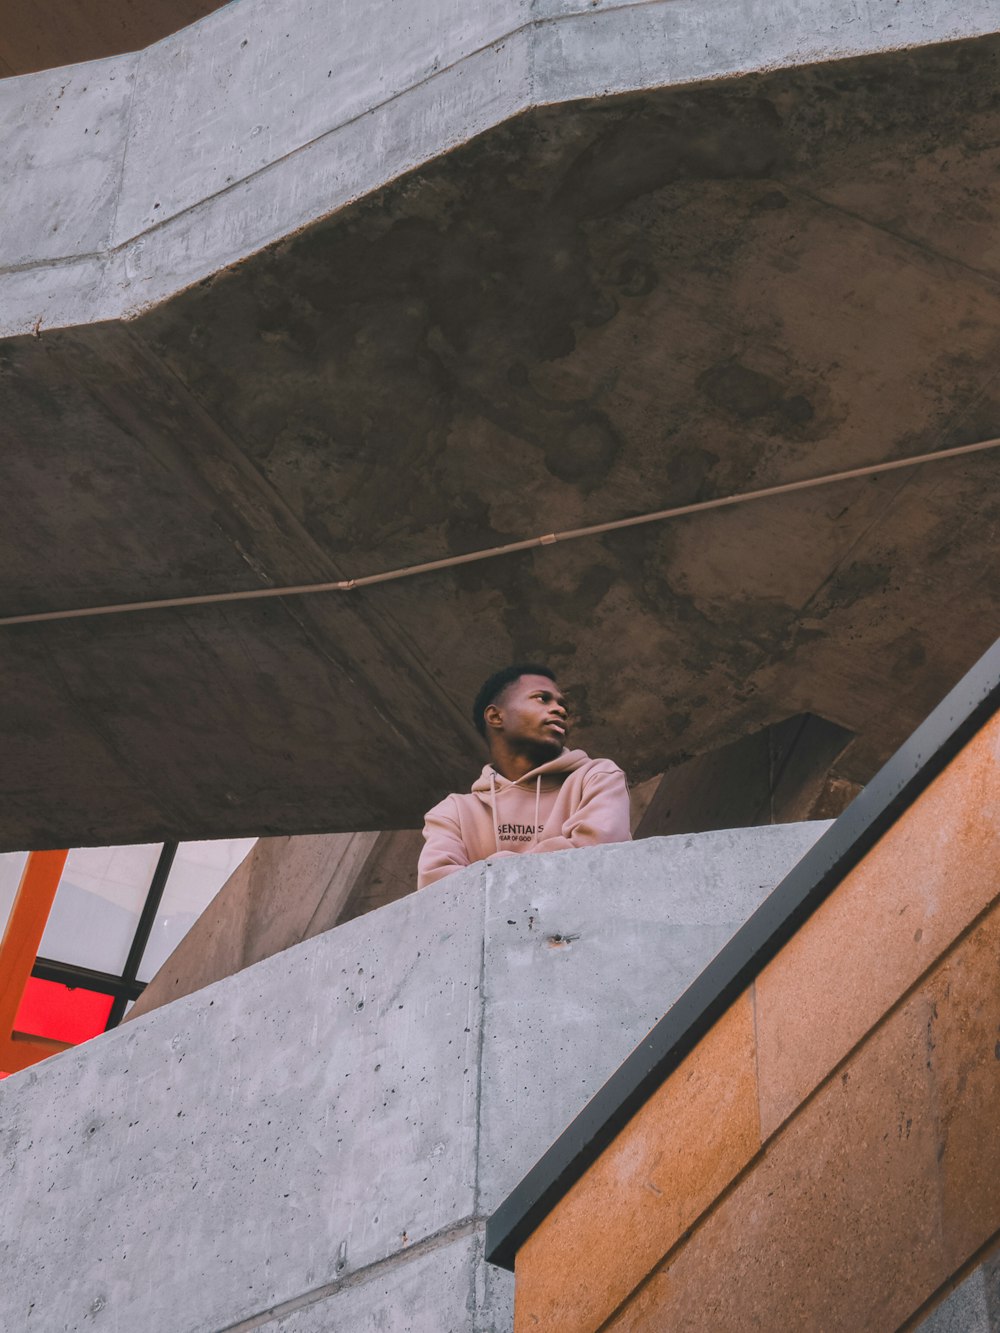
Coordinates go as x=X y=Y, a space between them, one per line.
x=559 y=727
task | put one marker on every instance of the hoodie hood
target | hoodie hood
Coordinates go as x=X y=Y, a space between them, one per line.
x=490 y=786
x=558 y=768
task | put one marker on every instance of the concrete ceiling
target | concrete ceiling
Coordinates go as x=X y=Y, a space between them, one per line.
x=41 y=34
x=594 y=311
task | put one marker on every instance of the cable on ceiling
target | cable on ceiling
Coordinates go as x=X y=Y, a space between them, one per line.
x=509 y=548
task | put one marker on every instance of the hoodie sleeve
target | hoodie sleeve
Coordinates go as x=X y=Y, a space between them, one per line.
x=443 y=851
x=603 y=814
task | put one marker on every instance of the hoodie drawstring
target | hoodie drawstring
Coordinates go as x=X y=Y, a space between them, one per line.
x=493 y=807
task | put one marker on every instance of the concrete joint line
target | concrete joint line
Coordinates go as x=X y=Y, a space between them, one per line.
x=457 y=1231
x=125 y=147
x=61 y=261
x=304 y=147
x=509 y=548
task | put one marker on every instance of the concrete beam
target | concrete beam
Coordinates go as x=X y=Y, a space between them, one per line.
x=316 y=1141
x=131 y=178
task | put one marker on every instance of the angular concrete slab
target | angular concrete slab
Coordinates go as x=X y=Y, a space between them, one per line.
x=254 y=1142
x=265 y=117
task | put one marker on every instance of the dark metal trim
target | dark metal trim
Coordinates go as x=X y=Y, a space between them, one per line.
x=143 y=931
x=895 y=787
x=105 y=983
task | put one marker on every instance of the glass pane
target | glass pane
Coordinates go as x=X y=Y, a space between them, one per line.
x=64 y=1013
x=11 y=868
x=97 y=905
x=198 y=873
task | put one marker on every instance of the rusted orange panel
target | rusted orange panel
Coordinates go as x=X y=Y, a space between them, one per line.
x=867 y=1201
x=18 y=951
x=889 y=920
x=675 y=1156
x=878 y=1078
x=20 y=1050
x=963 y=1047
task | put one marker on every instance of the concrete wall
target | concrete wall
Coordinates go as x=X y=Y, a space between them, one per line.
x=315 y=1142
x=290 y=889
x=827 y=1156
x=130 y=178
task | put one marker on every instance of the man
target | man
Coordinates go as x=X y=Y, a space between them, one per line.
x=534 y=795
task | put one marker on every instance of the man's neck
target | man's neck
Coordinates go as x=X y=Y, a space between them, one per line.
x=513 y=764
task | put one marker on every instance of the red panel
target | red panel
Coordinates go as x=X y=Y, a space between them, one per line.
x=64 y=1013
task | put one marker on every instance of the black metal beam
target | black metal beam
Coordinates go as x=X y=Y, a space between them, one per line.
x=105 y=983
x=142 y=931
x=894 y=788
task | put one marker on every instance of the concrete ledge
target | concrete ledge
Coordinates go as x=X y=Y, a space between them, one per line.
x=131 y=178
x=297 y=1146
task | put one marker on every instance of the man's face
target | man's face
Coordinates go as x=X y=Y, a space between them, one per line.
x=533 y=713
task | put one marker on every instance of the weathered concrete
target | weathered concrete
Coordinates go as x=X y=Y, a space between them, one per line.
x=594 y=309
x=264 y=117
x=315 y=1142
x=607 y=957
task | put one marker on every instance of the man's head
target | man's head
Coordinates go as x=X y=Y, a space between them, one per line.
x=521 y=711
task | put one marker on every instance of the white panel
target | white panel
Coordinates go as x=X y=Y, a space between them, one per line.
x=199 y=871
x=97 y=906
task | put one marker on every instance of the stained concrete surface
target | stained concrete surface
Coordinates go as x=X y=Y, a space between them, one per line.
x=266 y=116
x=590 y=311
x=265 y=1152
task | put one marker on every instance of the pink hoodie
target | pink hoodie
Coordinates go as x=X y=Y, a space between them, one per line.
x=572 y=801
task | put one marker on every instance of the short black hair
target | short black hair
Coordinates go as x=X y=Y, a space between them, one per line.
x=494 y=686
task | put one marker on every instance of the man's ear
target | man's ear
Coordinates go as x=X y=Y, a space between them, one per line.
x=493 y=717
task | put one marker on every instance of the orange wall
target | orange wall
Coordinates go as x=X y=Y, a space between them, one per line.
x=827 y=1157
